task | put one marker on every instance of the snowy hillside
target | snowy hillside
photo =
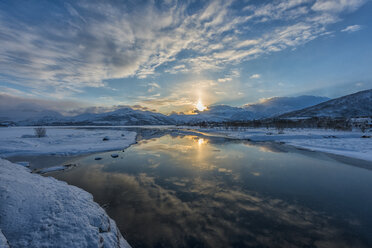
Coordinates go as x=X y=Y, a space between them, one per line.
x=279 y=105
x=268 y=108
x=38 y=211
x=358 y=104
x=123 y=116
x=355 y=105
x=29 y=116
x=218 y=113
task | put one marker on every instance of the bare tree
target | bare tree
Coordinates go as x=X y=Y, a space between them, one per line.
x=40 y=132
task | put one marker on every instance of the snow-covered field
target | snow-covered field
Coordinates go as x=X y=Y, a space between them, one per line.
x=62 y=141
x=38 y=211
x=345 y=143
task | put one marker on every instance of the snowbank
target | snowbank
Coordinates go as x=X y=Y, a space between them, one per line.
x=62 y=141
x=37 y=211
x=345 y=143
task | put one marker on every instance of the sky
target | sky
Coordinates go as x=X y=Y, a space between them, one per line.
x=168 y=55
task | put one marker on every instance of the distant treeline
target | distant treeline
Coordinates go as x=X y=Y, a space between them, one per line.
x=280 y=124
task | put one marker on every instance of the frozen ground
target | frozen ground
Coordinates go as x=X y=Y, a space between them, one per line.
x=345 y=143
x=62 y=141
x=38 y=211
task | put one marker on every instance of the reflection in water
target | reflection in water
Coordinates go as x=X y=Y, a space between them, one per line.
x=187 y=191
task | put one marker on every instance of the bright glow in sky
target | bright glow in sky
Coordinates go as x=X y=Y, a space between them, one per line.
x=161 y=55
x=200 y=106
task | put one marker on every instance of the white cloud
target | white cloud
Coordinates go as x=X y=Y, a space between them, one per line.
x=153 y=86
x=337 y=5
x=352 y=28
x=224 y=80
x=255 y=76
x=122 y=44
x=246 y=43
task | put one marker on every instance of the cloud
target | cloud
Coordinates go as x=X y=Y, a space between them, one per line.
x=224 y=80
x=352 y=28
x=153 y=86
x=17 y=107
x=255 y=76
x=82 y=44
x=246 y=43
x=337 y=5
x=229 y=76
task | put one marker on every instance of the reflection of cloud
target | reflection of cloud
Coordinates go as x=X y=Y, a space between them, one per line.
x=224 y=170
x=163 y=204
x=266 y=147
x=201 y=209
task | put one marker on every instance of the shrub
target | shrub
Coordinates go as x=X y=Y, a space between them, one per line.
x=40 y=132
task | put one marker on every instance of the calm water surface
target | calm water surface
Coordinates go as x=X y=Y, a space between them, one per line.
x=188 y=191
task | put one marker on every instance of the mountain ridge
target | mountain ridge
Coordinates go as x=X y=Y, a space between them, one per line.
x=358 y=104
x=353 y=105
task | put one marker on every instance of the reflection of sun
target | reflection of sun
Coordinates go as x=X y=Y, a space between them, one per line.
x=200 y=106
x=200 y=141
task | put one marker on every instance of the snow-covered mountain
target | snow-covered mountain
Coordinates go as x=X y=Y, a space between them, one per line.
x=279 y=105
x=122 y=116
x=267 y=108
x=29 y=116
x=355 y=105
x=217 y=113
x=358 y=104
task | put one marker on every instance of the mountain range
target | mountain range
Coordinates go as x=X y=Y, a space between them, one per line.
x=354 y=105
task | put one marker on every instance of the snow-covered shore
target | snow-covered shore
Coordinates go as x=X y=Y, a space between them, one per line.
x=345 y=143
x=62 y=141
x=38 y=211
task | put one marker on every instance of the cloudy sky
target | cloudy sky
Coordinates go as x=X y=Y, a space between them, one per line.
x=166 y=55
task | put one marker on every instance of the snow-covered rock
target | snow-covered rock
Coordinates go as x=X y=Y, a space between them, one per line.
x=38 y=211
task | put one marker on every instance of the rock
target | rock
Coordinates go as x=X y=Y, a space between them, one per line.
x=106 y=138
x=97 y=158
x=114 y=155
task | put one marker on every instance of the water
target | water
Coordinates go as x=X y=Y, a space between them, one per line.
x=188 y=191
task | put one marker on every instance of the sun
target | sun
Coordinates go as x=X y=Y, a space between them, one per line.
x=200 y=106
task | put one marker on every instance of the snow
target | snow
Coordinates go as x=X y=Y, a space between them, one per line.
x=3 y=241
x=345 y=143
x=354 y=105
x=38 y=211
x=62 y=140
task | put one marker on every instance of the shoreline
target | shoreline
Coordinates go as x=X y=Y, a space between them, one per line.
x=41 y=161
x=347 y=145
x=48 y=159
x=316 y=140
